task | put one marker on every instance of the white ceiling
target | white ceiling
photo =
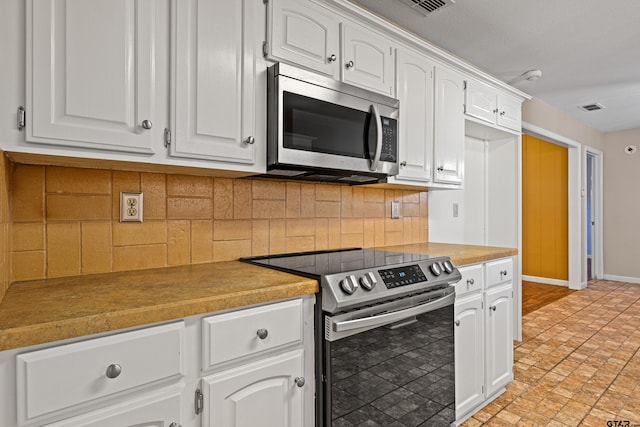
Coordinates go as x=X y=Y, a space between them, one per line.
x=588 y=50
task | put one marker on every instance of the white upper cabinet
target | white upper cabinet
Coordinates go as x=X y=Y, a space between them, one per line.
x=309 y=35
x=306 y=34
x=367 y=59
x=414 y=89
x=91 y=74
x=493 y=106
x=448 y=158
x=213 y=115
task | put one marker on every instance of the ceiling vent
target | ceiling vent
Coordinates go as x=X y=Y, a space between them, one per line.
x=425 y=7
x=592 y=107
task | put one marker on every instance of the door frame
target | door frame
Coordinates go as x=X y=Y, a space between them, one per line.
x=575 y=191
x=597 y=236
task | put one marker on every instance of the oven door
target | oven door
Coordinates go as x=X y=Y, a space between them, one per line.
x=320 y=127
x=391 y=364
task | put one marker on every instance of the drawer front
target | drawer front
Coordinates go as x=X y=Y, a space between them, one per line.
x=60 y=377
x=243 y=333
x=499 y=272
x=472 y=279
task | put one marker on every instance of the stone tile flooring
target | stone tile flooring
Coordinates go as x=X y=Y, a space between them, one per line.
x=578 y=363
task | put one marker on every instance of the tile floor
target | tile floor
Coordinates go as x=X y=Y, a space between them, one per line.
x=578 y=363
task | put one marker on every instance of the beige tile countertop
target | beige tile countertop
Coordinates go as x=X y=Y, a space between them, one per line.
x=42 y=311
x=48 y=310
x=460 y=254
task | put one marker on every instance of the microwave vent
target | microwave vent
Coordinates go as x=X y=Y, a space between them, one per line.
x=592 y=107
x=425 y=7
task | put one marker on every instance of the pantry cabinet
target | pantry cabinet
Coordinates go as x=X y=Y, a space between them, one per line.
x=308 y=34
x=492 y=105
x=92 y=77
x=483 y=334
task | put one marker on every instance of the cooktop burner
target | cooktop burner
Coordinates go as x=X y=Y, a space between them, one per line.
x=351 y=278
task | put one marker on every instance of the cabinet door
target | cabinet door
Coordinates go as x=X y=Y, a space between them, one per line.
x=367 y=59
x=480 y=101
x=499 y=354
x=91 y=75
x=414 y=89
x=263 y=394
x=305 y=34
x=449 y=127
x=153 y=412
x=469 y=350
x=214 y=80
x=510 y=112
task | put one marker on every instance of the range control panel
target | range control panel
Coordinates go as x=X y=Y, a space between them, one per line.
x=402 y=276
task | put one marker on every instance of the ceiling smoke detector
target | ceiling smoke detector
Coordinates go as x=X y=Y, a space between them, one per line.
x=592 y=107
x=425 y=7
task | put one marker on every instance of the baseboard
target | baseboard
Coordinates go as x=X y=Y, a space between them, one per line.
x=545 y=280
x=622 y=278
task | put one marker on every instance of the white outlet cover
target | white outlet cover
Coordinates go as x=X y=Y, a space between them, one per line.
x=131 y=206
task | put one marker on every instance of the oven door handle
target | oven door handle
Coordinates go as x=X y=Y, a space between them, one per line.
x=394 y=316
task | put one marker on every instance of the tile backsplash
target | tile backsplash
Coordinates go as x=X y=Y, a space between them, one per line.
x=66 y=220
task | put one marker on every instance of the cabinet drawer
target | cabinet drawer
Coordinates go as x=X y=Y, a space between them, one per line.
x=472 y=279
x=60 y=377
x=245 y=332
x=499 y=272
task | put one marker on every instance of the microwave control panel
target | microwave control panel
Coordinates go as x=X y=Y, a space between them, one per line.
x=389 y=140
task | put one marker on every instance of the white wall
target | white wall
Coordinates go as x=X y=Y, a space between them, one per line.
x=621 y=206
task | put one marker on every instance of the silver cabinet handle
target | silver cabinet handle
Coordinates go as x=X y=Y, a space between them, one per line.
x=146 y=124
x=299 y=381
x=457 y=323
x=492 y=308
x=495 y=111
x=403 y=163
x=503 y=273
x=114 y=370
x=440 y=168
x=175 y=425
x=349 y=64
x=502 y=113
x=262 y=333
x=332 y=58
x=250 y=140
x=470 y=282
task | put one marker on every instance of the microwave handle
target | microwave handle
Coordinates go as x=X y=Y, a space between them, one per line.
x=376 y=158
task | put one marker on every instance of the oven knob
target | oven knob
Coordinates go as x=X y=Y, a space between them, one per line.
x=435 y=269
x=448 y=266
x=349 y=284
x=368 y=281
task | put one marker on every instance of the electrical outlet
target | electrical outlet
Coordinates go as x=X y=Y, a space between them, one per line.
x=130 y=207
x=395 y=209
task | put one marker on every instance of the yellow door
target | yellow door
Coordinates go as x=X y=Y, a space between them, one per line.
x=545 y=210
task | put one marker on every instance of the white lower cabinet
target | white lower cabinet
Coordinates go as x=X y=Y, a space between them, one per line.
x=266 y=393
x=247 y=367
x=483 y=335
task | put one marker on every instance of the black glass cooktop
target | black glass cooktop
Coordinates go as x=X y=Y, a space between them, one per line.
x=319 y=263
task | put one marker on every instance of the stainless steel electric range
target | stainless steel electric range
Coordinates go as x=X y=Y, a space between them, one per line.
x=384 y=335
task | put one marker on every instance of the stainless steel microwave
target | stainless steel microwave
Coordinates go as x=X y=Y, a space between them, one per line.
x=323 y=130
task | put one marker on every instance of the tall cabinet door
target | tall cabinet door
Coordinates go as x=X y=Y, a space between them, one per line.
x=449 y=131
x=91 y=76
x=414 y=89
x=469 y=351
x=499 y=354
x=263 y=393
x=306 y=34
x=213 y=81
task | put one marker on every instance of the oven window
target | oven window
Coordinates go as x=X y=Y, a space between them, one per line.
x=402 y=376
x=313 y=125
